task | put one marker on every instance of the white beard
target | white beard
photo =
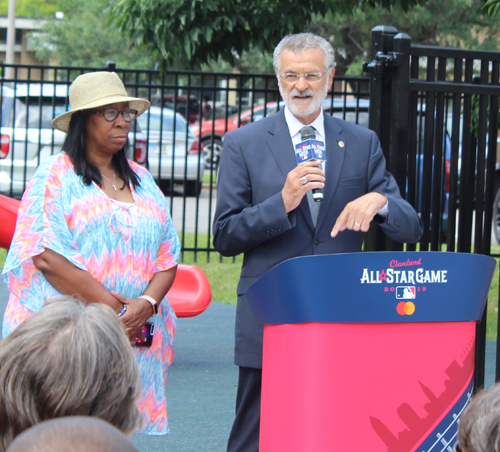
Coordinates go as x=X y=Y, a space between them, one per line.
x=313 y=105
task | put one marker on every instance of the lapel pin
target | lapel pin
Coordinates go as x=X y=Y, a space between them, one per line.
x=341 y=144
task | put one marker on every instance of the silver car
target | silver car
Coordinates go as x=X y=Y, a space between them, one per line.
x=177 y=153
x=26 y=134
x=27 y=138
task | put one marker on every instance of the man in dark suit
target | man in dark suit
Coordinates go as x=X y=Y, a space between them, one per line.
x=266 y=211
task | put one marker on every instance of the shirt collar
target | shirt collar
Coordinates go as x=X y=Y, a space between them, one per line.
x=294 y=125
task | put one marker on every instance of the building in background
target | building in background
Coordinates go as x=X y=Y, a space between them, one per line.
x=23 y=53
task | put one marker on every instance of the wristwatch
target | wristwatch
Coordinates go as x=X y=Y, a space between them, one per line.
x=152 y=301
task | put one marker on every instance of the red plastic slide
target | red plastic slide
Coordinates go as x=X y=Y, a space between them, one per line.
x=8 y=216
x=190 y=294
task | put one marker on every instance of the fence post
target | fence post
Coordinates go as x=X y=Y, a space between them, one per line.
x=380 y=108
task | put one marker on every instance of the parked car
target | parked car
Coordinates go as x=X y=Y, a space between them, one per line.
x=211 y=132
x=177 y=153
x=27 y=138
x=26 y=134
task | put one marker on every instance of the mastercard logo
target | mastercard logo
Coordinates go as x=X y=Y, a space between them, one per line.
x=406 y=308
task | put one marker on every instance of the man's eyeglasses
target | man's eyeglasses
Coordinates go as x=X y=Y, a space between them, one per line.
x=110 y=114
x=311 y=77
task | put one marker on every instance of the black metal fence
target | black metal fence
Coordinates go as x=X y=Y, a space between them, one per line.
x=181 y=149
x=436 y=111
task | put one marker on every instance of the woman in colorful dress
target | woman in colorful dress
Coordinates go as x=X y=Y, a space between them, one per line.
x=94 y=224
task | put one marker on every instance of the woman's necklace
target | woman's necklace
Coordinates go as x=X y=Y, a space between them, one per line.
x=113 y=184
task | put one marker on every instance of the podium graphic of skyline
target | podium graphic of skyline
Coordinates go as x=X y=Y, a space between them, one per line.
x=438 y=430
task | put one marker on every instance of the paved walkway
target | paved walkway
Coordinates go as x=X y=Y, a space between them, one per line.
x=201 y=386
x=202 y=380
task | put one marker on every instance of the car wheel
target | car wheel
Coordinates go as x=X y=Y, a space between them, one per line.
x=165 y=187
x=192 y=188
x=211 y=154
x=496 y=216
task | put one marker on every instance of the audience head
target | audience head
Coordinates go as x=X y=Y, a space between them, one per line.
x=68 y=359
x=479 y=426
x=72 y=434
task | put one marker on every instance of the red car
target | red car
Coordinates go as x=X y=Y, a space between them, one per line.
x=209 y=132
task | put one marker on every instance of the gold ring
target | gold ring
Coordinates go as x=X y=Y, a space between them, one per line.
x=357 y=224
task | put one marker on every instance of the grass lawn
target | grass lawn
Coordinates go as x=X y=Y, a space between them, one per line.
x=492 y=310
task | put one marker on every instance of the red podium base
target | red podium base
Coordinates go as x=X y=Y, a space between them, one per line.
x=364 y=387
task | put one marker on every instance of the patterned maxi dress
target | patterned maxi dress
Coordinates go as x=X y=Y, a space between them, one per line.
x=120 y=245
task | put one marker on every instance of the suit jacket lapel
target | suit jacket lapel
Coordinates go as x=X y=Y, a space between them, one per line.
x=335 y=152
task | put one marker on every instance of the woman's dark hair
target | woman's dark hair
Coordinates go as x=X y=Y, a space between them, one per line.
x=74 y=146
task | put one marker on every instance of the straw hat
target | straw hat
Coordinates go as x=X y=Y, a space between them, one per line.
x=93 y=90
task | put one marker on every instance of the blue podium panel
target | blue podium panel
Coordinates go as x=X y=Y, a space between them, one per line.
x=368 y=351
x=374 y=288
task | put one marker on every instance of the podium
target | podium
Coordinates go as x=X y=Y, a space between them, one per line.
x=368 y=351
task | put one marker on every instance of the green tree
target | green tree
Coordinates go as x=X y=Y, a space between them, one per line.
x=197 y=32
x=452 y=23
x=84 y=38
x=492 y=7
x=38 y=9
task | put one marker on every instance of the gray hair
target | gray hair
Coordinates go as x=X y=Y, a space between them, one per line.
x=72 y=434
x=479 y=427
x=304 y=41
x=68 y=359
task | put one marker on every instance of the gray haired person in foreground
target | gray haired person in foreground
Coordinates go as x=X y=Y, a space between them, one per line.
x=68 y=359
x=72 y=434
x=479 y=427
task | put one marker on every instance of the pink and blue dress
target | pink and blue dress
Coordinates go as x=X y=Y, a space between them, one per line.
x=121 y=245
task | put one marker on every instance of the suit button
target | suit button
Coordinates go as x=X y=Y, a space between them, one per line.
x=316 y=242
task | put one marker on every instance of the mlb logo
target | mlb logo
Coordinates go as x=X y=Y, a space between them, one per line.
x=405 y=292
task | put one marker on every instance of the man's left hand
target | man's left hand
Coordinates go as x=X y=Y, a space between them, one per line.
x=358 y=214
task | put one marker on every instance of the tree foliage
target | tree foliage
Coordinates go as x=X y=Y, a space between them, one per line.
x=492 y=7
x=37 y=9
x=452 y=23
x=200 y=31
x=83 y=38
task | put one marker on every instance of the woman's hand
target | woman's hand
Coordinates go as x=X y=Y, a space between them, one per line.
x=138 y=312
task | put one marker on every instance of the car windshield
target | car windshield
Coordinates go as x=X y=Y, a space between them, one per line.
x=166 y=122
x=31 y=112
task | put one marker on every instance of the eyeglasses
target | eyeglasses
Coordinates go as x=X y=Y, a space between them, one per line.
x=311 y=77
x=110 y=114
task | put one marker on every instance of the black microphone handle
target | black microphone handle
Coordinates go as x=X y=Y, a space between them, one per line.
x=317 y=194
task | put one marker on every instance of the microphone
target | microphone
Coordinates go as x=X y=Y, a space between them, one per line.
x=311 y=149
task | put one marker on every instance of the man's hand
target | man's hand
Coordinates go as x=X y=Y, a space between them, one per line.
x=358 y=214
x=299 y=181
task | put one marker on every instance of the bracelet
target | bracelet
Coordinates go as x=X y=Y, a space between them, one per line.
x=152 y=301
x=123 y=311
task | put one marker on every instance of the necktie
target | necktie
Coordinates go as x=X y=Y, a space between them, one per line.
x=313 y=205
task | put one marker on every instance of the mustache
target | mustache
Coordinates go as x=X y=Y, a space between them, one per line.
x=295 y=92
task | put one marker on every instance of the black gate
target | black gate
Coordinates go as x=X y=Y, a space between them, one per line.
x=435 y=110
